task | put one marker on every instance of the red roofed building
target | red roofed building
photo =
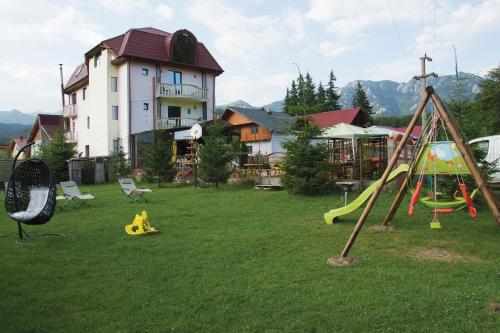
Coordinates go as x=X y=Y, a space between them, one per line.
x=43 y=130
x=134 y=83
x=417 y=130
x=355 y=116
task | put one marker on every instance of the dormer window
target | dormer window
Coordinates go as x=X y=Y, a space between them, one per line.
x=184 y=48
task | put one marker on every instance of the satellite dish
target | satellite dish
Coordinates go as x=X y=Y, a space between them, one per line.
x=195 y=131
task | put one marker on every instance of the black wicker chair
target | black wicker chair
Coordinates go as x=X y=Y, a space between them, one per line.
x=30 y=196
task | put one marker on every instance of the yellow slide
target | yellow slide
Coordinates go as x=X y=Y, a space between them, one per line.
x=334 y=213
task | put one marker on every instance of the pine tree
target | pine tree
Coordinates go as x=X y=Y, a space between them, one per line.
x=215 y=155
x=306 y=164
x=158 y=164
x=360 y=100
x=293 y=94
x=56 y=152
x=332 y=97
x=120 y=164
x=321 y=98
x=286 y=101
x=309 y=91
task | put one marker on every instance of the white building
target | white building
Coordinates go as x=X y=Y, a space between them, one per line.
x=134 y=83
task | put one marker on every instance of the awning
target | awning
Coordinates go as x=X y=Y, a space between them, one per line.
x=346 y=131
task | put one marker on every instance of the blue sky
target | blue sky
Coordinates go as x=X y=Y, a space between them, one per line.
x=255 y=41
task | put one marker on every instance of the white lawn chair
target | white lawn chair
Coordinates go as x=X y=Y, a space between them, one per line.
x=72 y=194
x=131 y=192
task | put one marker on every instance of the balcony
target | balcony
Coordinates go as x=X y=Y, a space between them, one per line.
x=71 y=136
x=171 y=123
x=181 y=91
x=70 y=111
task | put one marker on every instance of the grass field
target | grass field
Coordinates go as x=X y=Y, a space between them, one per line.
x=237 y=259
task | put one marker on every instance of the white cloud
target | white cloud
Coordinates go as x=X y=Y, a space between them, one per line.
x=42 y=83
x=47 y=21
x=332 y=50
x=352 y=17
x=397 y=70
x=165 y=12
x=243 y=36
x=461 y=25
x=133 y=7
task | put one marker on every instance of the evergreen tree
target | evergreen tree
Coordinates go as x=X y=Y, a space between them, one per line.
x=305 y=164
x=214 y=156
x=294 y=96
x=158 y=164
x=332 y=97
x=286 y=101
x=321 y=99
x=300 y=90
x=120 y=164
x=486 y=110
x=309 y=91
x=360 y=100
x=56 y=152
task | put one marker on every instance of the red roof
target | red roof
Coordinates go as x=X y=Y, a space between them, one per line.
x=49 y=124
x=150 y=44
x=330 y=118
x=417 y=130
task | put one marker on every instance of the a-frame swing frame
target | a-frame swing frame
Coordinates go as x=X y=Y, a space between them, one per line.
x=465 y=151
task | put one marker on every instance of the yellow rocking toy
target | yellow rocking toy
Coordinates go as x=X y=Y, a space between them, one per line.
x=140 y=225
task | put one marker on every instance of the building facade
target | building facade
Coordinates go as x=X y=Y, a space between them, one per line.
x=262 y=131
x=137 y=82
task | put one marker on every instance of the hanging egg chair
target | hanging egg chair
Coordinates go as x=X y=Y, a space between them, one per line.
x=30 y=195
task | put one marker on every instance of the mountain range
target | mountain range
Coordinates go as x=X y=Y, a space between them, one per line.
x=17 y=117
x=390 y=98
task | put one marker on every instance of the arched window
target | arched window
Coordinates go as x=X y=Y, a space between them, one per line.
x=184 y=48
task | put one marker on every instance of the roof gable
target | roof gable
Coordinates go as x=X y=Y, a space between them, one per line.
x=330 y=118
x=273 y=121
x=48 y=123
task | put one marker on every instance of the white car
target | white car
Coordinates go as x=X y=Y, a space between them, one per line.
x=491 y=145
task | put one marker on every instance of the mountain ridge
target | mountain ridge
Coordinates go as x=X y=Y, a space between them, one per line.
x=390 y=98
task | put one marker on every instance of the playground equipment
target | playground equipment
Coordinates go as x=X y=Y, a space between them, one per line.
x=30 y=196
x=449 y=123
x=360 y=200
x=140 y=225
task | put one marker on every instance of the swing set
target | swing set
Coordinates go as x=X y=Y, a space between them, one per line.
x=433 y=158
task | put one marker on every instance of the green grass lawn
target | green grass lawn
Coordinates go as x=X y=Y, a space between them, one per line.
x=236 y=259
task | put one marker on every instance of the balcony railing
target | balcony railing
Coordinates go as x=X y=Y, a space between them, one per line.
x=186 y=91
x=71 y=136
x=70 y=110
x=169 y=123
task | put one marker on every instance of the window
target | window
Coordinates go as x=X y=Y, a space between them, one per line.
x=145 y=72
x=116 y=145
x=254 y=129
x=174 y=111
x=205 y=111
x=145 y=106
x=88 y=122
x=87 y=151
x=97 y=59
x=189 y=110
x=249 y=148
x=114 y=84
x=114 y=112
x=84 y=92
x=73 y=98
x=174 y=77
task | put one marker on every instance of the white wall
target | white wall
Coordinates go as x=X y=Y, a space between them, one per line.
x=123 y=98
x=141 y=91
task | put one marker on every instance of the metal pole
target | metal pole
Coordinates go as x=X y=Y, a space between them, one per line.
x=62 y=84
x=422 y=84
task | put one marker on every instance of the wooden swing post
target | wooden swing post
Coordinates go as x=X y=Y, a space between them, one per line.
x=385 y=175
x=402 y=191
x=467 y=155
